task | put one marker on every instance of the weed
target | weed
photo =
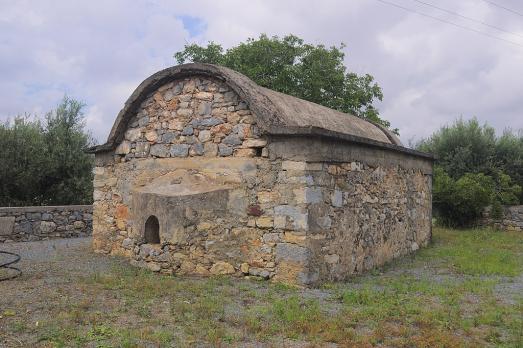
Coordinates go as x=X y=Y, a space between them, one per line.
x=443 y=296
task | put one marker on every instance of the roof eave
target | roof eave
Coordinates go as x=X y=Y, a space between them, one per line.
x=328 y=134
x=313 y=131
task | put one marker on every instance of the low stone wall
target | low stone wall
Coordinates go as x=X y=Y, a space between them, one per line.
x=21 y=224
x=512 y=219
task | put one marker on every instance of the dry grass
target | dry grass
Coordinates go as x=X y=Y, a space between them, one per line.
x=445 y=296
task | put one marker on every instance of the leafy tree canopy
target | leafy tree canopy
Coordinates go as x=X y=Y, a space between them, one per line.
x=43 y=162
x=463 y=147
x=288 y=65
x=474 y=169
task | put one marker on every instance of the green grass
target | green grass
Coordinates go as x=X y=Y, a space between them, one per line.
x=478 y=252
x=444 y=296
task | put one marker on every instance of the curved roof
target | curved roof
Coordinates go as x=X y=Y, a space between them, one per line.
x=276 y=113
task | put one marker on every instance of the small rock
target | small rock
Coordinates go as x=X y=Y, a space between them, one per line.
x=254 y=143
x=180 y=150
x=204 y=95
x=176 y=125
x=224 y=150
x=221 y=267
x=201 y=270
x=153 y=266
x=259 y=272
x=124 y=148
x=196 y=149
x=337 y=199
x=210 y=149
x=232 y=139
x=127 y=243
x=188 y=130
x=160 y=150
x=133 y=134
x=264 y=222
x=244 y=268
x=47 y=226
x=204 y=136
x=206 y=122
x=204 y=108
x=78 y=225
x=168 y=137
x=151 y=136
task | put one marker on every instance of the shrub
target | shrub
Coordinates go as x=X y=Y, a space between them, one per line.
x=460 y=202
x=496 y=212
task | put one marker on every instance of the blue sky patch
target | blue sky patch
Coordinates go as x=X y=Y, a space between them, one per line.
x=194 y=25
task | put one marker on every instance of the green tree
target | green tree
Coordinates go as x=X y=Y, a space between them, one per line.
x=68 y=178
x=474 y=169
x=44 y=163
x=508 y=157
x=22 y=157
x=463 y=147
x=291 y=66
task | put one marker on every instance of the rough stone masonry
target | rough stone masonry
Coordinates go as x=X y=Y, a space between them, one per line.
x=511 y=218
x=206 y=173
x=23 y=224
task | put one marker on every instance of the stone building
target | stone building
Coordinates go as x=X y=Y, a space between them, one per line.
x=205 y=172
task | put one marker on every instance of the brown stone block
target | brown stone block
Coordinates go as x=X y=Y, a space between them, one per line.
x=294 y=238
x=264 y=222
x=245 y=152
x=221 y=129
x=221 y=267
x=122 y=211
x=172 y=104
x=268 y=197
x=201 y=270
x=288 y=273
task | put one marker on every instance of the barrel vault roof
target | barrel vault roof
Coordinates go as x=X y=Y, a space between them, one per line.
x=276 y=113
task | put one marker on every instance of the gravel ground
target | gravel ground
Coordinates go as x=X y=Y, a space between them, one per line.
x=51 y=270
x=52 y=258
x=48 y=269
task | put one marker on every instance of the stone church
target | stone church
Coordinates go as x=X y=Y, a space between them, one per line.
x=205 y=172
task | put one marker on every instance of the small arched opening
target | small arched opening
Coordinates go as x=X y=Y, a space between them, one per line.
x=152 y=230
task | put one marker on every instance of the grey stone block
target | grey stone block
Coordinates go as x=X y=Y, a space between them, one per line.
x=232 y=139
x=204 y=108
x=224 y=150
x=292 y=252
x=206 y=122
x=180 y=150
x=188 y=130
x=168 y=137
x=6 y=225
x=160 y=150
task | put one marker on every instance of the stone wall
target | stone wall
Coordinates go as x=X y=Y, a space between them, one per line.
x=229 y=201
x=357 y=217
x=21 y=224
x=191 y=118
x=512 y=219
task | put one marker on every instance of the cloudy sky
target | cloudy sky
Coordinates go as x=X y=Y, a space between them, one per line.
x=431 y=72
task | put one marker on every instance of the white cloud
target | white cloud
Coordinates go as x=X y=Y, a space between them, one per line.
x=99 y=52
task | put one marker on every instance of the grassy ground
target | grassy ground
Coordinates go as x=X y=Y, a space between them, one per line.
x=466 y=289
